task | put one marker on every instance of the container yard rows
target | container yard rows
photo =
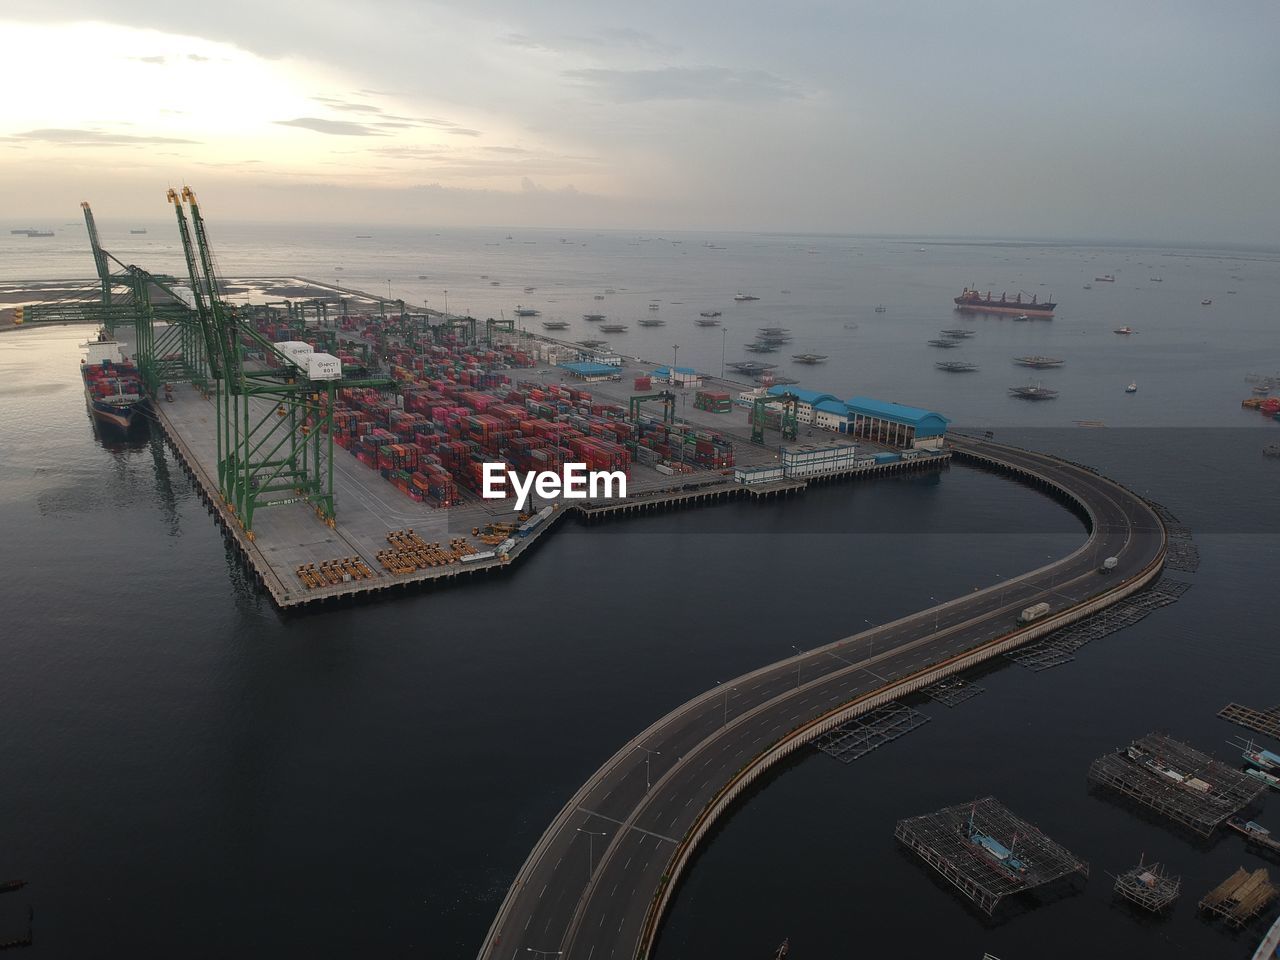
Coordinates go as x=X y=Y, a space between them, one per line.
x=409 y=456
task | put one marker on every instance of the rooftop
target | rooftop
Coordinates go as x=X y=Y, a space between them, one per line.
x=587 y=369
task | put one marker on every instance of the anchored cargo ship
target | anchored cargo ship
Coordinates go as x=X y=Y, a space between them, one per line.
x=975 y=302
x=112 y=387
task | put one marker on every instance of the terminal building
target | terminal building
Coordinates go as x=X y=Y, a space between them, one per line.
x=680 y=377
x=891 y=424
x=591 y=371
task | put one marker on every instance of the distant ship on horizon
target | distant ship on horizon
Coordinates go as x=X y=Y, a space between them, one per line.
x=975 y=302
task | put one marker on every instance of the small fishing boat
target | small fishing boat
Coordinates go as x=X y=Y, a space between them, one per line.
x=1131 y=388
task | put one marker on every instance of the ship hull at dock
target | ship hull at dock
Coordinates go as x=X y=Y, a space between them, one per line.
x=117 y=416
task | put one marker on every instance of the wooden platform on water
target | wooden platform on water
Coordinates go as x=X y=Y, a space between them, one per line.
x=1240 y=897
x=1263 y=721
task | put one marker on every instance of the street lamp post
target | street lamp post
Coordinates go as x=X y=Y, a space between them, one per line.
x=871 y=640
x=799 y=652
x=591 y=856
x=647 y=753
x=936 y=613
x=727 y=690
x=724 y=341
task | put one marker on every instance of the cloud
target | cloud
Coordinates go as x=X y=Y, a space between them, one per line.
x=628 y=37
x=520 y=40
x=686 y=83
x=197 y=58
x=337 y=128
x=411 y=153
x=156 y=59
x=508 y=149
x=529 y=186
x=608 y=38
x=348 y=105
x=90 y=138
x=390 y=120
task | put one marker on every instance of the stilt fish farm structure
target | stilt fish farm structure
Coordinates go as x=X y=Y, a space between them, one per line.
x=987 y=852
x=1177 y=781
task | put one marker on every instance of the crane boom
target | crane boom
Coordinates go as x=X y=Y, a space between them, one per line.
x=203 y=312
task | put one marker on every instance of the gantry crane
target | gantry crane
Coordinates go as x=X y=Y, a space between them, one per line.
x=167 y=344
x=667 y=398
x=491 y=325
x=790 y=424
x=275 y=423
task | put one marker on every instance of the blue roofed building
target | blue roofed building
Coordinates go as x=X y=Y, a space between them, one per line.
x=896 y=424
x=683 y=376
x=831 y=415
x=588 y=370
x=808 y=400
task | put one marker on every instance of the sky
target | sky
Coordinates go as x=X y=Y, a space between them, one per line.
x=1146 y=119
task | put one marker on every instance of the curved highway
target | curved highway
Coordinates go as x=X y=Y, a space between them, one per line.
x=595 y=885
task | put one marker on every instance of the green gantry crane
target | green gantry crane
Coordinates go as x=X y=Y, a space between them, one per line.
x=790 y=416
x=167 y=344
x=274 y=423
x=667 y=398
x=491 y=325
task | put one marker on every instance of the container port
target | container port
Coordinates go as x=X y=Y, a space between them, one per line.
x=1177 y=781
x=339 y=439
x=987 y=852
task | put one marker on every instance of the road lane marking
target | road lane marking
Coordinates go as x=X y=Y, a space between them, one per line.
x=621 y=823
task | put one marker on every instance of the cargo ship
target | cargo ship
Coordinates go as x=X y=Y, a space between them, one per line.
x=975 y=302
x=112 y=387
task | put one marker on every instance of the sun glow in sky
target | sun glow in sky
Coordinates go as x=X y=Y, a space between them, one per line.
x=193 y=103
x=997 y=118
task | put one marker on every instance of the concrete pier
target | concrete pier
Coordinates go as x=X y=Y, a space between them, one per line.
x=289 y=534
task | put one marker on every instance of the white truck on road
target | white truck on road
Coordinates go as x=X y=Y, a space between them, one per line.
x=1034 y=612
x=1109 y=564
